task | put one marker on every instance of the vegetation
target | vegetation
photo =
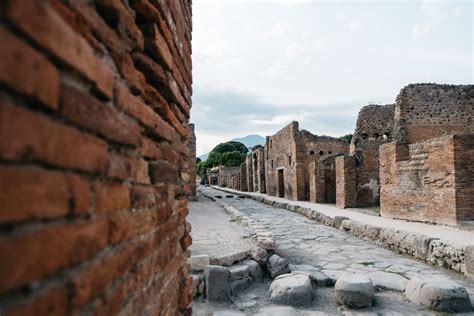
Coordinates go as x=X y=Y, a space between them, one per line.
x=346 y=138
x=229 y=154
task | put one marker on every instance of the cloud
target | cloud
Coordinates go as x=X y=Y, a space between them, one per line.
x=277 y=30
x=436 y=14
x=280 y=120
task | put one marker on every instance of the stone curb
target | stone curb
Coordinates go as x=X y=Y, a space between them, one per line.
x=432 y=250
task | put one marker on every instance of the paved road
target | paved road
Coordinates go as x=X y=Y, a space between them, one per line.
x=304 y=241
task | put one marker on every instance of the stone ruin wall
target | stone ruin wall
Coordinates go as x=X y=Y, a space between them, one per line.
x=322 y=179
x=425 y=111
x=192 y=161
x=310 y=149
x=229 y=177
x=249 y=173
x=94 y=108
x=243 y=177
x=278 y=149
x=429 y=180
x=374 y=127
x=258 y=169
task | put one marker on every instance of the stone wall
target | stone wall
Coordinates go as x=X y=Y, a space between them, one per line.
x=229 y=177
x=94 y=106
x=192 y=161
x=258 y=169
x=243 y=177
x=249 y=173
x=346 y=185
x=428 y=181
x=322 y=180
x=425 y=111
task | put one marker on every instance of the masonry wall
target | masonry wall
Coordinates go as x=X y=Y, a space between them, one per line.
x=428 y=181
x=229 y=177
x=249 y=173
x=192 y=161
x=374 y=127
x=322 y=180
x=279 y=148
x=425 y=111
x=258 y=169
x=243 y=177
x=94 y=106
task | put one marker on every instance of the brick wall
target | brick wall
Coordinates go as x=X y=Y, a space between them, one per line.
x=191 y=161
x=425 y=111
x=322 y=180
x=428 y=181
x=229 y=177
x=249 y=173
x=94 y=106
x=243 y=177
x=346 y=185
x=258 y=169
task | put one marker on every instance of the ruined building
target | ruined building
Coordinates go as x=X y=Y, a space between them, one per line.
x=258 y=168
x=288 y=155
x=94 y=106
x=357 y=174
x=229 y=177
x=428 y=173
x=192 y=161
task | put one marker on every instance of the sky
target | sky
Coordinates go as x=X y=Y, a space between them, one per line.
x=258 y=65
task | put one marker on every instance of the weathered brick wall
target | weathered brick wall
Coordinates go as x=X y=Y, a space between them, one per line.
x=279 y=148
x=425 y=111
x=346 y=185
x=258 y=169
x=191 y=161
x=243 y=177
x=229 y=177
x=374 y=127
x=429 y=180
x=94 y=107
x=322 y=180
x=311 y=148
x=249 y=173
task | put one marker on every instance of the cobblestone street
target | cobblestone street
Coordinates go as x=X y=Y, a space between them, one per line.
x=303 y=241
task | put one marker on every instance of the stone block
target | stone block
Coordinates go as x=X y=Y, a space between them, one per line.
x=338 y=221
x=438 y=294
x=255 y=271
x=258 y=254
x=217 y=283
x=387 y=280
x=354 y=291
x=239 y=285
x=238 y=271
x=199 y=262
x=292 y=289
x=276 y=265
x=469 y=260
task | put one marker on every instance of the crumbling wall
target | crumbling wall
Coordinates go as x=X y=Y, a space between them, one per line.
x=229 y=177
x=310 y=149
x=428 y=181
x=192 y=161
x=249 y=173
x=425 y=111
x=258 y=169
x=94 y=106
x=322 y=180
x=281 y=155
x=374 y=127
x=243 y=177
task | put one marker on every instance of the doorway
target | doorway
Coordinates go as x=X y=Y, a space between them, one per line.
x=281 y=184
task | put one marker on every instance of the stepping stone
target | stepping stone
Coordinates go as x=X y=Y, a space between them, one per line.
x=387 y=280
x=292 y=289
x=199 y=262
x=317 y=277
x=229 y=196
x=353 y=290
x=276 y=266
x=217 y=284
x=218 y=196
x=438 y=294
x=255 y=270
x=258 y=254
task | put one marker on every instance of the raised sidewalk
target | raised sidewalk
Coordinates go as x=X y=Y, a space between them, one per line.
x=446 y=246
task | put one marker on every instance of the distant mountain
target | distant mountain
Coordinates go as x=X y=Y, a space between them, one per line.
x=248 y=141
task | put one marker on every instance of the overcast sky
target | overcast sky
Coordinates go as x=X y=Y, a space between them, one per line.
x=257 y=65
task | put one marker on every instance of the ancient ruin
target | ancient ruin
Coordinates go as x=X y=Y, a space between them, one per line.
x=94 y=106
x=192 y=161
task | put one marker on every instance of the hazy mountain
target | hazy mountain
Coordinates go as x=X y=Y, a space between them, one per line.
x=248 y=141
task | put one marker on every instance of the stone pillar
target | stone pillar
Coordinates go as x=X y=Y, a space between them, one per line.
x=346 y=186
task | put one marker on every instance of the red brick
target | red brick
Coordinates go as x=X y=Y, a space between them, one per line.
x=38 y=253
x=143 y=197
x=144 y=114
x=151 y=149
x=116 y=13
x=159 y=47
x=41 y=23
x=86 y=111
x=27 y=194
x=80 y=193
x=24 y=70
x=50 y=301
x=140 y=171
x=35 y=137
x=91 y=281
x=163 y=172
x=124 y=225
x=111 y=196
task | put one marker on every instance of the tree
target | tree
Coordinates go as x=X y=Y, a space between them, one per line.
x=346 y=138
x=198 y=160
x=201 y=168
x=230 y=154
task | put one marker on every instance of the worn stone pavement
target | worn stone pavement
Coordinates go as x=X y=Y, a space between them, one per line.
x=303 y=241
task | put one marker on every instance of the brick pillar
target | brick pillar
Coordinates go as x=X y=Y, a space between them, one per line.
x=346 y=186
